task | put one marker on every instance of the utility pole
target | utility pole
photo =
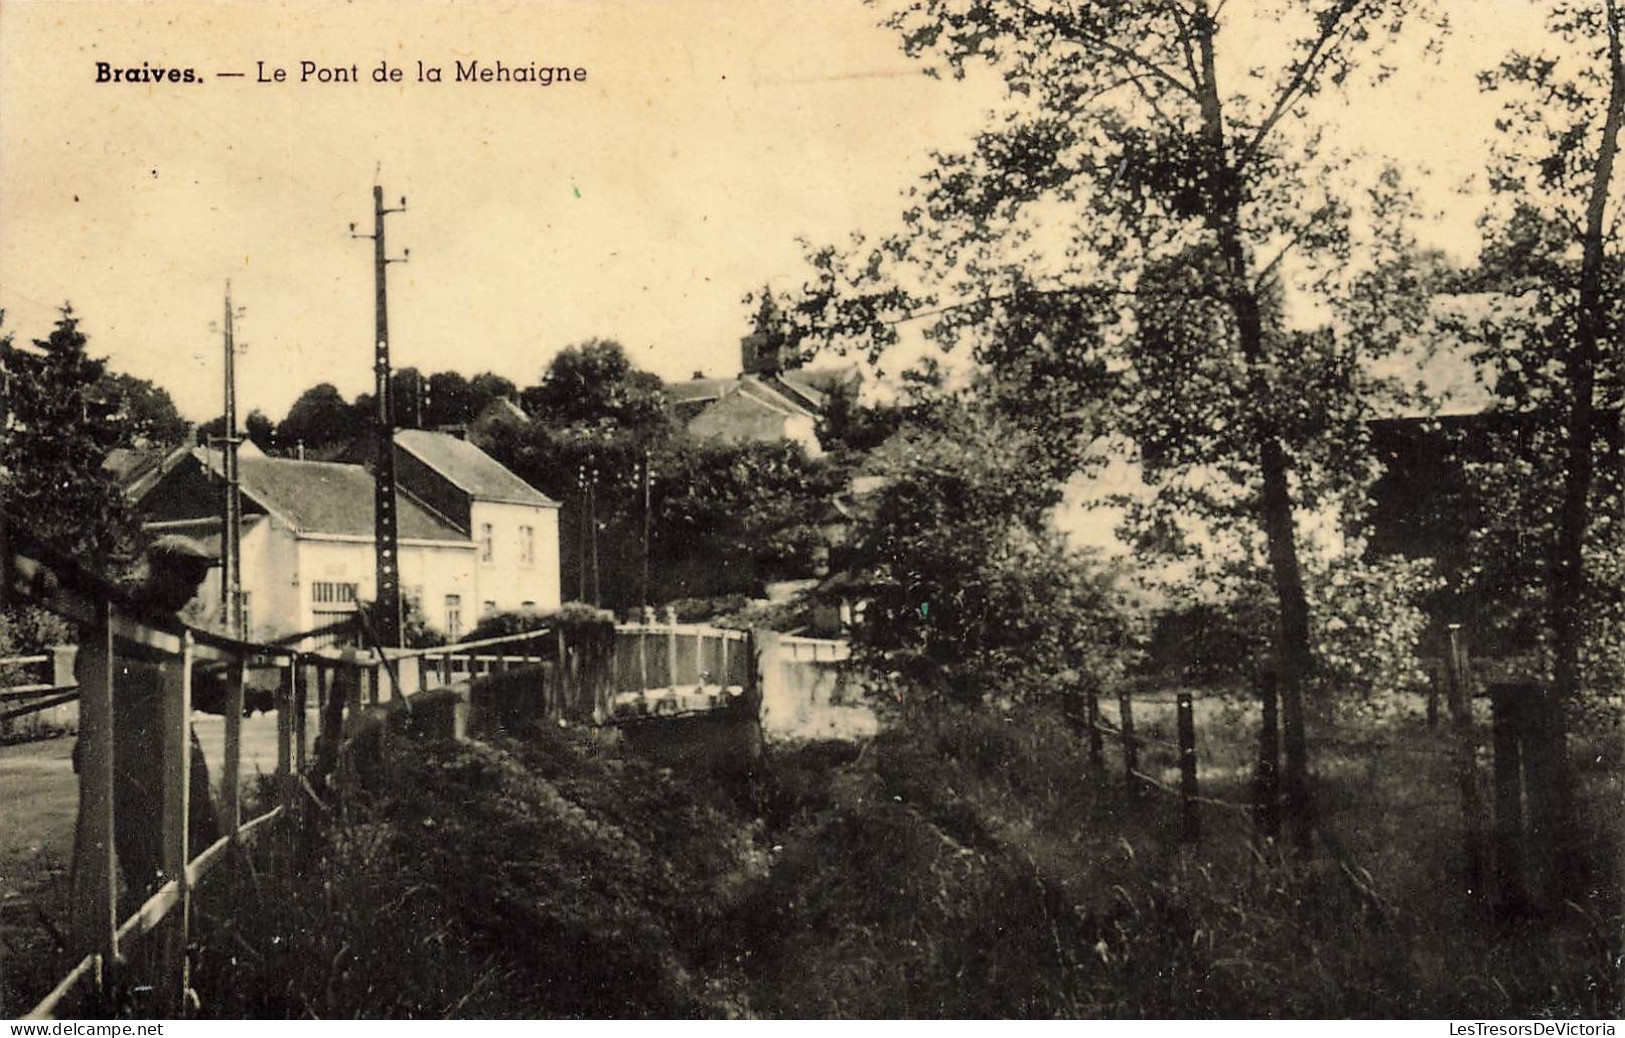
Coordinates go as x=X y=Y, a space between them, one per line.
x=386 y=620
x=231 y=555
x=643 y=594
x=592 y=509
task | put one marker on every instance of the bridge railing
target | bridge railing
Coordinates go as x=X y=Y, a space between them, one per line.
x=119 y=637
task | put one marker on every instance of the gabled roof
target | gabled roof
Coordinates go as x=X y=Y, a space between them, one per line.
x=797 y=391
x=321 y=497
x=696 y=389
x=501 y=409
x=126 y=465
x=773 y=395
x=470 y=469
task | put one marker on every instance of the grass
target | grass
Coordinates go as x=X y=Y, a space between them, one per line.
x=960 y=864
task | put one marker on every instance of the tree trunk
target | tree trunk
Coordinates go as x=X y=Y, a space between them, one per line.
x=1568 y=571
x=1275 y=513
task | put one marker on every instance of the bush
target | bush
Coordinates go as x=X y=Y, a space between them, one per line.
x=972 y=595
x=511 y=622
x=547 y=878
x=29 y=631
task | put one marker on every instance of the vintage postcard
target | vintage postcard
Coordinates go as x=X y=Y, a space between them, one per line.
x=760 y=509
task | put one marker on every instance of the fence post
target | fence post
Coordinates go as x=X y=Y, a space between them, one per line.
x=1506 y=712
x=301 y=708
x=671 y=647
x=95 y=868
x=321 y=698
x=1190 y=821
x=231 y=812
x=1131 y=746
x=1461 y=710
x=1548 y=781
x=62 y=657
x=1267 y=778
x=174 y=980
x=286 y=780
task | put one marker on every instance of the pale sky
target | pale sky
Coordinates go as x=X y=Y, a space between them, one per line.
x=639 y=205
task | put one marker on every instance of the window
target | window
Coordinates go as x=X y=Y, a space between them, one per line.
x=328 y=592
x=487 y=543
x=454 y=616
x=246 y=608
x=488 y=608
x=527 y=546
x=327 y=618
x=529 y=607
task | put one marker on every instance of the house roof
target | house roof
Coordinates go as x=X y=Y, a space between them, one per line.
x=322 y=497
x=697 y=389
x=128 y=464
x=692 y=397
x=207 y=532
x=501 y=408
x=472 y=470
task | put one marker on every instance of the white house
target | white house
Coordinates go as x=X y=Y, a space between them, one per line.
x=474 y=538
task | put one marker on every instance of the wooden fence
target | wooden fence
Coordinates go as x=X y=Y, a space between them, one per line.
x=46 y=704
x=581 y=682
x=1509 y=837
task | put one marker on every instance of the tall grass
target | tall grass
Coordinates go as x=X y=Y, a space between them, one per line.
x=964 y=863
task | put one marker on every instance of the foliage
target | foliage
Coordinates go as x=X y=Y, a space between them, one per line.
x=1547 y=335
x=1371 y=628
x=969 y=863
x=51 y=456
x=256 y=428
x=966 y=863
x=144 y=413
x=319 y=418
x=444 y=398
x=29 y=631
x=259 y=429
x=569 y=615
x=721 y=517
x=970 y=594
x=595 y=384
x=756 y=503
x=538 y=879
x=848 y=427
x=704 y=610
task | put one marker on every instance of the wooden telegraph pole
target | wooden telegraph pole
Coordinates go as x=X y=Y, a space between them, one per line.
x=231 y=564
x=387 y=621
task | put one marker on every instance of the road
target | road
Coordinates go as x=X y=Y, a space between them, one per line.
x=39 y=793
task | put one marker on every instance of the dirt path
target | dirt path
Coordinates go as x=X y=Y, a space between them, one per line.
x=39 y=793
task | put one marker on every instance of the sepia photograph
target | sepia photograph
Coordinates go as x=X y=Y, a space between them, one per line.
x=654 y=510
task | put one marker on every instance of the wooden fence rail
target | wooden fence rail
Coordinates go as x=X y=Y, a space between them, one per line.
x=347 y=685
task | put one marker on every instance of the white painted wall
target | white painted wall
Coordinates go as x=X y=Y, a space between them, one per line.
x=506 y=580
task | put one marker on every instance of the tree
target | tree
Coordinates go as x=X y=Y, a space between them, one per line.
x=258 y=428
x=727 y=517
x=1550 y=334
x=319 y=417
x=596 y=383
x=1556 y=164
x=144 y=413
x=51 y=456
x=972 y=595
x=1124 y=193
